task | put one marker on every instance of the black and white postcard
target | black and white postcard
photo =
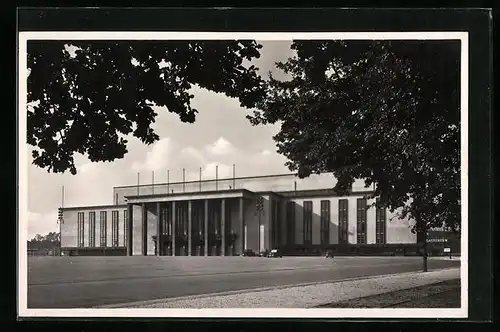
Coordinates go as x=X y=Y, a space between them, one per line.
x=252 y=174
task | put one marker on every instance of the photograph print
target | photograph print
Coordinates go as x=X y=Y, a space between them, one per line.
x=317 y=175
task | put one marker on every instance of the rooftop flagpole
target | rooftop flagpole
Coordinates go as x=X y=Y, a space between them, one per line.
x=183 y=180
x=216 y=177
x=168 y=181
x=200 y=178
x=234 y=176
x=138 y=183
x=153 y=181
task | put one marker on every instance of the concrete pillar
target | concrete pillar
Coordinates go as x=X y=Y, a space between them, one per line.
x=174 y=231
x=223 y=226
x=206 y=227
x=159 y=231
x=130 y=232
x=241 y=213
x=190 y=235
x=144 y=230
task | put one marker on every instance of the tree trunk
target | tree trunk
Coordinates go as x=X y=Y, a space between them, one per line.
x=422 y=227
x=424 y=255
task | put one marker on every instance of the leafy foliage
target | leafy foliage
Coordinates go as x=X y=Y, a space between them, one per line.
x=86 y=101
x=50 y=241
x=384 y=111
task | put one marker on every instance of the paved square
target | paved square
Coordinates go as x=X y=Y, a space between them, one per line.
x=79 y=282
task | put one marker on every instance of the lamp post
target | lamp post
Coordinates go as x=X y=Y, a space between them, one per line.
x=60 y=219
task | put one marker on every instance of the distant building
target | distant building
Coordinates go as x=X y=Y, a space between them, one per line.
x=227 y=216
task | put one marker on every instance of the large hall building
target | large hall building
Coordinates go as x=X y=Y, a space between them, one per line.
x=223 y=217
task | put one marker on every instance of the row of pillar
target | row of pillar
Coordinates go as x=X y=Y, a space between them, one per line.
x=159 y=229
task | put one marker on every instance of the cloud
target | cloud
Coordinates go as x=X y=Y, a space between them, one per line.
x=42 y=223
x=168 y=154
x=224 y=154
x=192 y=154
x=88 y=168
x=220 y=147
x=223 y=171
x=157 y=158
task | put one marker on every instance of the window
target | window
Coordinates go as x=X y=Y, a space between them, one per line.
x=103 y=227
x=272 y=229
x=275 y=220
x=380 y=224
x=290 y=212
x=178 y=217
x=217 y=220
x=325 y=222
x=343 y=221
x=278 y=222
x=114 y=228
x=125 y=226
x=181 y=218
x=361 y=221
x=228 y=215
x=213 y=219
x=165 y=219
x=194 y=218
x=92 y=229
x=81 y=229
x=307 y=222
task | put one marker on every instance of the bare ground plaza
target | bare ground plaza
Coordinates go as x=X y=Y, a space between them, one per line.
x=86 y=282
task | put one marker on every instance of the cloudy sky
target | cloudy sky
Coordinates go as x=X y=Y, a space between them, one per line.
x=220 y=136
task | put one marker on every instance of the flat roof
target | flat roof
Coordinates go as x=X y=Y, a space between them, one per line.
x=322 y=192
x=177 y=194
x=209 y=180
x=226 y=193
x=231 y=193
x=95 y=207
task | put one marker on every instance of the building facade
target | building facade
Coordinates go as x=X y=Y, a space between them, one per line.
x=227 y=216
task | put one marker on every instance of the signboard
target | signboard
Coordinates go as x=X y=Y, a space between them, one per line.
x=436 y=240
x=447 y=250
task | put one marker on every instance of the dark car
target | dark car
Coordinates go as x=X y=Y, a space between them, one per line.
x=275 y=253
x=248 y=253
x=329 y=254
x=264 y=253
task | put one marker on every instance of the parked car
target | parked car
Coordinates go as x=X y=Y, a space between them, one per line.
x=329 y=254
x=275 y=253
x=264 y=253
x=248 y=253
